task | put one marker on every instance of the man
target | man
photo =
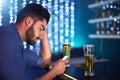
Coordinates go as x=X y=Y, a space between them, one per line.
x=30 y=26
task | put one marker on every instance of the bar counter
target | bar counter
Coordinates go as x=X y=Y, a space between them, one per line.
x=76 y=70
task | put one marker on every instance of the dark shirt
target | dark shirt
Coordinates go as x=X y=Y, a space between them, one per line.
x=13 y=56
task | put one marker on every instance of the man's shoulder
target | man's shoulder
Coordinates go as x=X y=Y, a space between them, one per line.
x=9 y=29
x=5 y=31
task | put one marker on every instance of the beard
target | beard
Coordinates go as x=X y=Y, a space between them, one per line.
x=30 y=35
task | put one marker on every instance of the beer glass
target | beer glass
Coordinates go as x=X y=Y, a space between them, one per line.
x=88 y=50
x=66 y=51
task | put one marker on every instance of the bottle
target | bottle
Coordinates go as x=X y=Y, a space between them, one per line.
x=113 y=28
x=102 y=28
x=107 y=28
x=103 y=12
x=97 y=28
x=111 y=9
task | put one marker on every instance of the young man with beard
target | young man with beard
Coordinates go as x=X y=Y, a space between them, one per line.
x=30 y=26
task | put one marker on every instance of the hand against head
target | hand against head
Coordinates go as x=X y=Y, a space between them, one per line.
x=59 y=66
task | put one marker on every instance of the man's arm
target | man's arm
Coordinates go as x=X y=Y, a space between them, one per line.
x=32 y=59
x=45 y=51
x=58 y=68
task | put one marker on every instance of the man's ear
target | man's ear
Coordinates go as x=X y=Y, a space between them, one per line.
x=28 y=21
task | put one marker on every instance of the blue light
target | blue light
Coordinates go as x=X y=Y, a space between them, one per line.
x=107 y=5
x=111 y=6
x=118 y=21
x=30 y=1
x=66 y=40
x=56 y=49
x=43 y=3
x=103 y=7
x=115 y=7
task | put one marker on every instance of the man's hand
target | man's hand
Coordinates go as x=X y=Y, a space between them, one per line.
x=59 y=66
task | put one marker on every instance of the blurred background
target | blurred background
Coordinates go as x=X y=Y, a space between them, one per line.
x=78 y=22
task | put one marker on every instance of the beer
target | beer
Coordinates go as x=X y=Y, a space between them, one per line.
x=89 y=62
x=66 y=50
x=89 y=59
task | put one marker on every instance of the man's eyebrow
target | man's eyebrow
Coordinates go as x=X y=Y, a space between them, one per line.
x=43 y=27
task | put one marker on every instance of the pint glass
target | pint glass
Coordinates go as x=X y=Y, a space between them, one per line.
x=88 y=50
x=66 y=50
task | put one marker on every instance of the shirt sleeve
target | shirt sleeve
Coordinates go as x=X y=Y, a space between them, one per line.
x=32 y=59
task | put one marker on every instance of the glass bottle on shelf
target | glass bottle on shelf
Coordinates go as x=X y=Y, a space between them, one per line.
x=110 y=10
x=110 y=25
x=103 y=11
x=111 y=7
x=97 y=28
x=113 y=28
x=107 y=28
x=102 y=28
x=107 y=10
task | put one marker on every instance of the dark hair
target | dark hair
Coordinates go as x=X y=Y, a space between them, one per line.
x=34 y=10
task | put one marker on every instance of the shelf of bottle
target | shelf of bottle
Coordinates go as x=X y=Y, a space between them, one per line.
x=104 y=36
x=101 y=3
x=103 y=19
